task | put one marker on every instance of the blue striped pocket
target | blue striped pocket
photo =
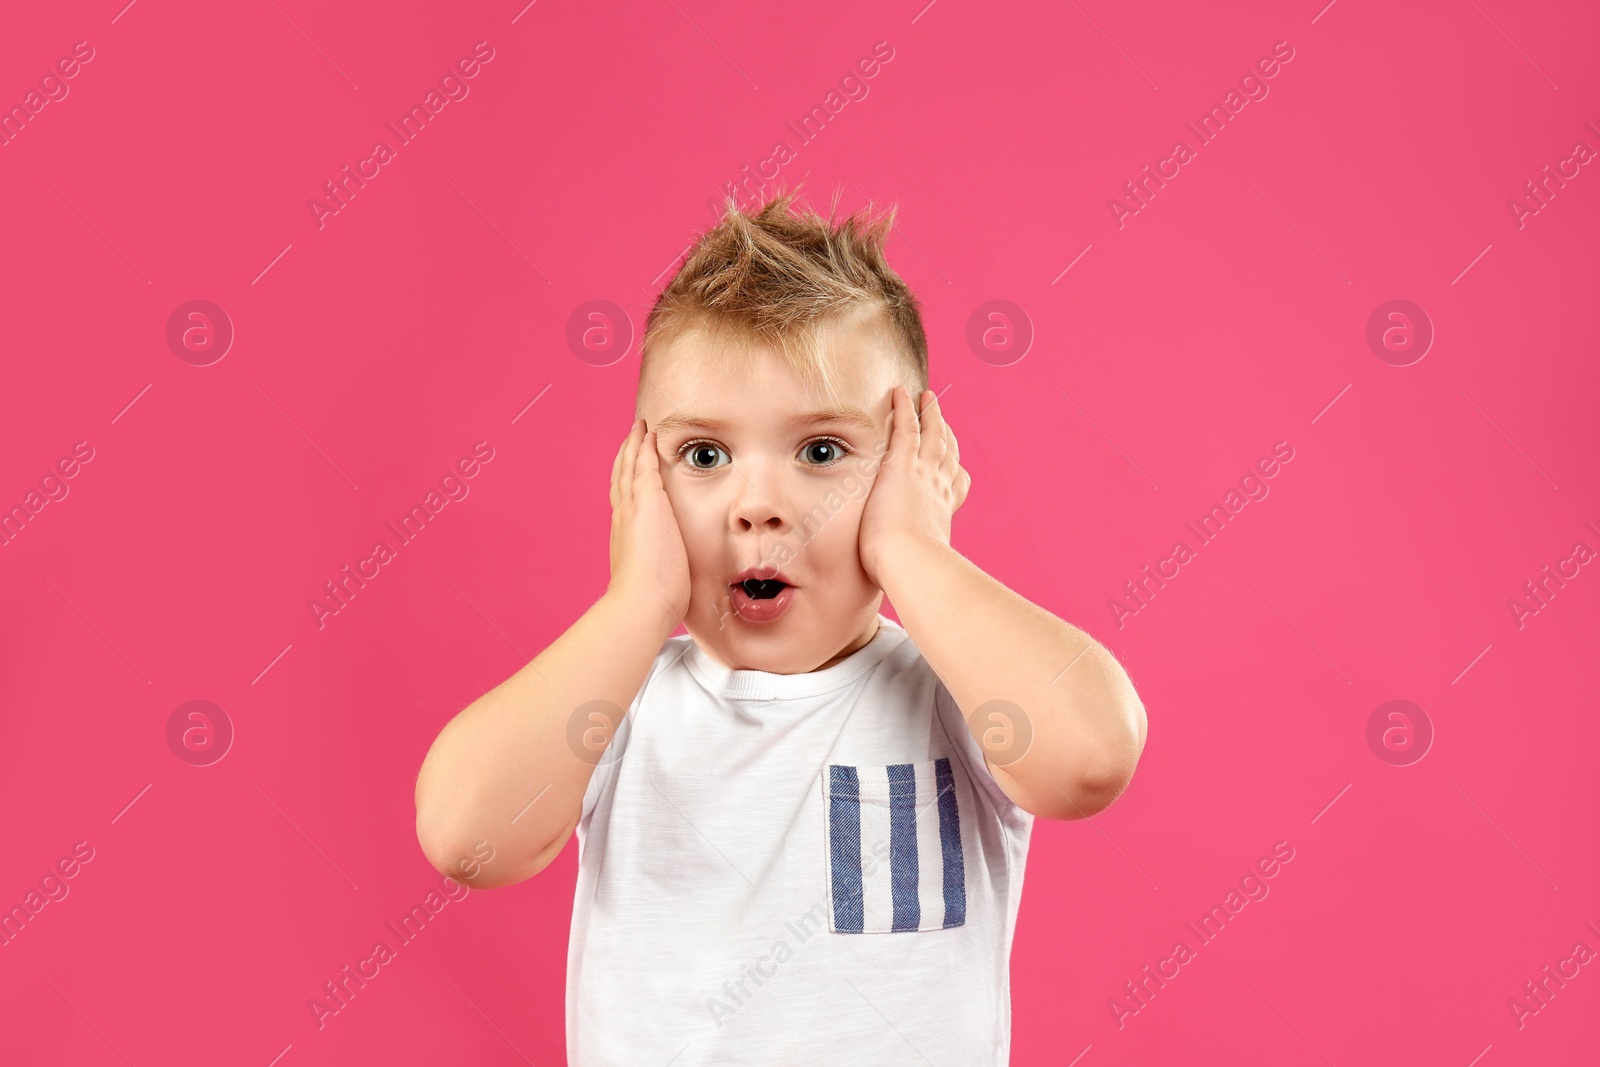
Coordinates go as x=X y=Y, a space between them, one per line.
x=894 y=848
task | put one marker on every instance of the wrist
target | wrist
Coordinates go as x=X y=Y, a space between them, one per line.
x=903 y=558
x=644 y=608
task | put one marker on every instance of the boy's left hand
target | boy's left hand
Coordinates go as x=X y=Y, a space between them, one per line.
x=919 y=485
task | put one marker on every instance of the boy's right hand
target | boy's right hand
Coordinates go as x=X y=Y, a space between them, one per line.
x=649 y=564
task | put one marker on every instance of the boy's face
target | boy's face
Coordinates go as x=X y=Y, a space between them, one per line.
x=763 y=472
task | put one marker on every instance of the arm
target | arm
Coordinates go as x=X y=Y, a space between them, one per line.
x=986 y=642
x=501 y=789
x=511 y=745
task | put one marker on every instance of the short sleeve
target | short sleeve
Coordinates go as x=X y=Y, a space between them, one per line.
x=606 y=770
x=971 y=754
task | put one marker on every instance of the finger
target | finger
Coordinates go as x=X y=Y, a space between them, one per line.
x=906 y=437
x=932 y=446
x=630 y=459
x=950 y=462
x=649 y=473
x=616 y=472
x=949 y=454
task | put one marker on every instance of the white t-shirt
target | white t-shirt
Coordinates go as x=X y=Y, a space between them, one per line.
x=794 y=869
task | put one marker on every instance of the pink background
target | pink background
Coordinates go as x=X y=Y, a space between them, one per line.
x=1228 y=314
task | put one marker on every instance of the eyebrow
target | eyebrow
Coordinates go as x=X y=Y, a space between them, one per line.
x=845 y=414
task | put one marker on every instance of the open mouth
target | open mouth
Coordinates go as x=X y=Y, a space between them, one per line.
x=760 y=594
x=762 y=588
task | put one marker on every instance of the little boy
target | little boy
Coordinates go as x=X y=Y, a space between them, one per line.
x=804 y=840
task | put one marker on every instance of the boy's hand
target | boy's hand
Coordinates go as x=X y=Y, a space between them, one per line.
x=649 y=565
x=919 y=486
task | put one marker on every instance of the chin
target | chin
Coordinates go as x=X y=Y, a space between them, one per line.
x=773 y=649
x=791 y=645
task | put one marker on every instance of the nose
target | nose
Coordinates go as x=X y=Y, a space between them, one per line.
x=757 y=506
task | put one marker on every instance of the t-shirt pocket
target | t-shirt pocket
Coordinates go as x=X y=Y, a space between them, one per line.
x=893 y=834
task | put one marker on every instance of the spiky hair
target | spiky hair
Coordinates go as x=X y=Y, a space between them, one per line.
x=775 y=277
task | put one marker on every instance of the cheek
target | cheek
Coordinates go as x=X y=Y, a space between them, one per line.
x=835 y=544
x=697 y=522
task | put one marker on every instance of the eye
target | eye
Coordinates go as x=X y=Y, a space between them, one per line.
x=824 y=451
x=702 y=455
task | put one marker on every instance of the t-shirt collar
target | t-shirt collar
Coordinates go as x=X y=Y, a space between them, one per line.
x=762 y=685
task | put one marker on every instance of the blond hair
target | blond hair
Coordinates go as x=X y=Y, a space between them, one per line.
x=776 y=277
